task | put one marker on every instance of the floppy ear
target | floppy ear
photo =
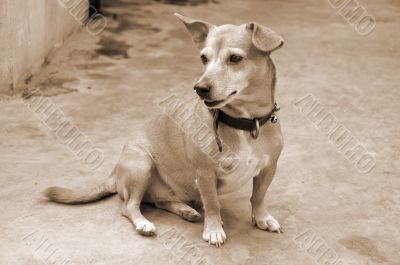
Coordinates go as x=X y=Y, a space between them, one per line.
x=264 y=39
x=197 y=28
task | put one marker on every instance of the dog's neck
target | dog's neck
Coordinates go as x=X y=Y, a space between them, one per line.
x=262 y=99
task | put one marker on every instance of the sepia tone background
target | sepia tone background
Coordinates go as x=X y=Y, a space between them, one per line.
x=107 y=84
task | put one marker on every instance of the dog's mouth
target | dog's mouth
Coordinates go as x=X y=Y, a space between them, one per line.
x=213 y=103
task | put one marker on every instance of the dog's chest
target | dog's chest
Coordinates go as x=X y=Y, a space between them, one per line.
x=247 y=164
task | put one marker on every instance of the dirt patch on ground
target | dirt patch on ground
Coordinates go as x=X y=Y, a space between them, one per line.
x=56 y=86
x=363 y=246
x=126 y=3
x=123 y=23
x=186 y=2
x=113 y=48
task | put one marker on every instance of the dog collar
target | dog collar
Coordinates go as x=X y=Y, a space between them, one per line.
x=251 y=125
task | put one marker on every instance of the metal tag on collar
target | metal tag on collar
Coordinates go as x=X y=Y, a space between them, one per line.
x=254 y=133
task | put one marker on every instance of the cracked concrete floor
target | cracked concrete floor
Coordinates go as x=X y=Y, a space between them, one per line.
x=108 y=84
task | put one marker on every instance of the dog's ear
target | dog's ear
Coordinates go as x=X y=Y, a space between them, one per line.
x=197 y=28
x=263 y=38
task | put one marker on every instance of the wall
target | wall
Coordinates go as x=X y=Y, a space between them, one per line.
x=29 y=29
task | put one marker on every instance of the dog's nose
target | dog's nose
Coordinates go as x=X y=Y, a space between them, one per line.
x=202 y=90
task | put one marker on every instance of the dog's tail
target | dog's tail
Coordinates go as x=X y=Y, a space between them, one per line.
x=69 y=196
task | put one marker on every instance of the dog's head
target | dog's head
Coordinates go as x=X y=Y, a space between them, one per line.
x=234 y=58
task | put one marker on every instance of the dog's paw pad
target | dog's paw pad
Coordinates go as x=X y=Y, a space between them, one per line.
x=268 y=223
x=191 y=215
x=217 y=237
x=146 y=228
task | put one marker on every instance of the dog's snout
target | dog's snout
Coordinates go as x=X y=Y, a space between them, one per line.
x=203 y=90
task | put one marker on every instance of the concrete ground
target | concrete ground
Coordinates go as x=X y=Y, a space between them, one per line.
x=107 y=85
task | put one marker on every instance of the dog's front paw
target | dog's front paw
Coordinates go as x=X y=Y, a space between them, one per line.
x=267 y=222
x=145 y=228
x=213 y=232
x=215 y=237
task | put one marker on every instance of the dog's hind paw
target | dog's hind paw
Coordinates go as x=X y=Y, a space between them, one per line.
x=146 y=228
x=191 y=215
x=268 y=223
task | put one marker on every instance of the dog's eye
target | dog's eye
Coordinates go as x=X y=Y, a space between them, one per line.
x=204 y=59
x=235 y=58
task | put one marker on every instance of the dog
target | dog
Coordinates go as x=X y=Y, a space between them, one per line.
x=165 y=167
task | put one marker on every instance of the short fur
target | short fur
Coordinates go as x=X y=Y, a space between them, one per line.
x=165 y=167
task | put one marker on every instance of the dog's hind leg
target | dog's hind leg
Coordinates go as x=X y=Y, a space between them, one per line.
x=134 y=176
x=181 y=209
x=131 y=210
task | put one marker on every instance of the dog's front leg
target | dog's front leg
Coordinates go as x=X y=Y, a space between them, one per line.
x=213 y=232
x=260 y=216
